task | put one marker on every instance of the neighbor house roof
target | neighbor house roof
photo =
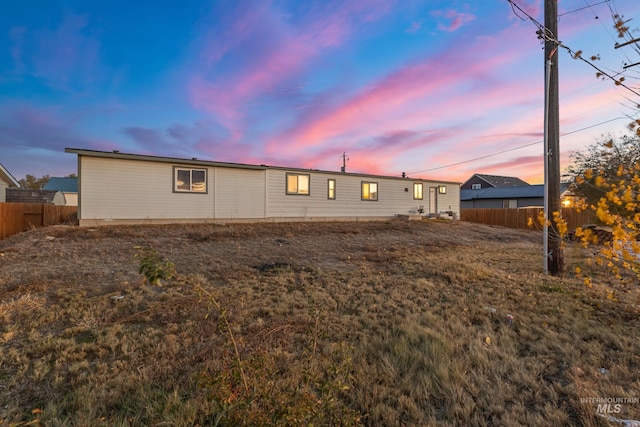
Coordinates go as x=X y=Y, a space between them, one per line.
x=197 y=162
x=66 y=185
x=21 y=195
x=519 y=192
x=500 y=181
x=7 y=177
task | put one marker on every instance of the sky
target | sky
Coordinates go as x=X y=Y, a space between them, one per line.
x=437 y=89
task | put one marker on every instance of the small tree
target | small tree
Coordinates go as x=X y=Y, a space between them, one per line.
x=30 y=182
x=619 y=209
x=607 y=177
x=599 y=163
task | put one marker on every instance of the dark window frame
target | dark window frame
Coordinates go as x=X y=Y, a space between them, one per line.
x=331 y=189
x=369 y=183
x=176 y=169
x=297 y=192
x=421 y=186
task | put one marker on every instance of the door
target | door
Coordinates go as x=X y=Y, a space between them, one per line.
x=433 y=200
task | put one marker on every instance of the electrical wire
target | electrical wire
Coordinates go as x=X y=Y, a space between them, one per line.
x=548 y=36
x=588 y=6
x=519 y=147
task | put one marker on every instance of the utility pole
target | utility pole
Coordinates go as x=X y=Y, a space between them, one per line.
x=555 y=257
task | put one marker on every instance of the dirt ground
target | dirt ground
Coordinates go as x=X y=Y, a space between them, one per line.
x=96 y=258
x=403 y=322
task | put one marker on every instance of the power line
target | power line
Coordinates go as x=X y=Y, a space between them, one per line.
x=588 y=6
x=518 y=147
x=547 y=36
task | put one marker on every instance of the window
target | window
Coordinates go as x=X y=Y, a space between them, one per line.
x=442 y=189
x=417 y=191
x=510 y=204
x=186 y=180
x=369 y=190
x=298 y=184
x=331 y=189
x=476 y=186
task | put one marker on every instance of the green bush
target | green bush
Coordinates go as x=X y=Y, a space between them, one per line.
x=153 y=267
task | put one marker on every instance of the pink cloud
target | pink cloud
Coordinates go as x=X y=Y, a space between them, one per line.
x=456 y=20
x=273 y=52
x=533 y=8
x=451 y=20
x=420 y=94
x=414 y=27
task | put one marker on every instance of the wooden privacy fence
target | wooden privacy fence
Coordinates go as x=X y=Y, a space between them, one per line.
x=519 y=218
x=18 y=217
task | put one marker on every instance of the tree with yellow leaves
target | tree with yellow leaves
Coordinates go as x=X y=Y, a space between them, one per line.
x=608 y=179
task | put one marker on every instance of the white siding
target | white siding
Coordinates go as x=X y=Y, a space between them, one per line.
x=451 y=200
x=239 y=193
x=131 y=189
x=392 y=197
x=71 y=199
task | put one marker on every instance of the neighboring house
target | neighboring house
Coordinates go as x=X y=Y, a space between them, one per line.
x=23 y=195
x=6 y=181
x=68 y=187
x=118 y=188
x=480 y=181
x=505 y=197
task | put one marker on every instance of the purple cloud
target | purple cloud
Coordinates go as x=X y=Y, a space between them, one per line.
x=27 y=128
x=414 y=27
x=264 y=54
x=451 y=20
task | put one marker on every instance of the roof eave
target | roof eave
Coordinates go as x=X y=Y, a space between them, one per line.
x=125 y=156
x=7 y=177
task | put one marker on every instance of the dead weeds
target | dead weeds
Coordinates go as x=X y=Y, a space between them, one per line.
x=374 y=323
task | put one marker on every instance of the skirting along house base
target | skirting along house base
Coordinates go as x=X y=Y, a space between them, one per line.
x=118 y=188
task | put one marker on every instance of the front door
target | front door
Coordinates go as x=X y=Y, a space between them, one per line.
x=433 y=200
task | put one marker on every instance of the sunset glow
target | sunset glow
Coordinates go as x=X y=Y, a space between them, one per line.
x=437 y=89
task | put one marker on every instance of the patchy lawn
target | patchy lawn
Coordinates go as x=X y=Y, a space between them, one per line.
x=375 y=323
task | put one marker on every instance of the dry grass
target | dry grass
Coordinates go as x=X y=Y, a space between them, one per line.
x=382 y=323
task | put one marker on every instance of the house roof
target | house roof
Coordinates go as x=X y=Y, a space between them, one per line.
x=208 y=163
x=23 y=195
x=7 y=177
x=66 y=185
x=519 y=192
x=500 y=181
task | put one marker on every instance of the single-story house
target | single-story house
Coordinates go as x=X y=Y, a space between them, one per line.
x=505 y=197
x=68 y=186
x=6 y=181
x=479 y=181
x=26 y=195
x=119 y=188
